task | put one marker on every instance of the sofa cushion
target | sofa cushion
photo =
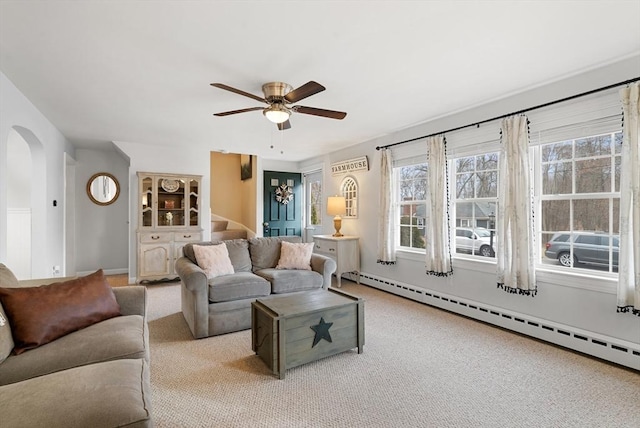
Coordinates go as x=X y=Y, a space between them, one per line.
x=288 y=280
x=213 y=259
x=8 y=280
x=295 y=255
x=122 y=337
x=39 y=315
x=241 y=285
x=109 y=394
x=265 y=252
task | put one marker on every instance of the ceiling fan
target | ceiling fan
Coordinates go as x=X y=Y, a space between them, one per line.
x=278 y=96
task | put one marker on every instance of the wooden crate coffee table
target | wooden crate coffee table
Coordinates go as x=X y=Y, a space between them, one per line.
x=287 y=331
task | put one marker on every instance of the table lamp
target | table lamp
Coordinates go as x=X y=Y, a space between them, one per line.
x=337 y=206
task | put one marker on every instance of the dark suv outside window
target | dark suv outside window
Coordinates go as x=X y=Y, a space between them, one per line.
x=590 y=248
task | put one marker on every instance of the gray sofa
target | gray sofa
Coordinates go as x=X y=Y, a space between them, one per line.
x=97 y=376
x=223 y=304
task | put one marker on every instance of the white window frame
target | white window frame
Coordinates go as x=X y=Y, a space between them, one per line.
x=310 y=229
x=472 y=222
x=543 y=263
x=398 y=204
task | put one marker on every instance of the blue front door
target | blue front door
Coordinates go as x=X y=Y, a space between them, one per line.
x=282 y=203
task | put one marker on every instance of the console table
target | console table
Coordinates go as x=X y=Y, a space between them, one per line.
x=345 y=250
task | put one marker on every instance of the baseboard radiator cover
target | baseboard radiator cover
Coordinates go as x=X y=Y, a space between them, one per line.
x=607 y=348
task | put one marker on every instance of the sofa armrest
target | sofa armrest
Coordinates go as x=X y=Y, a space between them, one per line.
x=325 y=266
x=132 y=299
x=194 y=287
x=191 y=275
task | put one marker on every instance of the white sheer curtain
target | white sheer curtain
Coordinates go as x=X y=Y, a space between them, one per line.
x=386 y=228
x=438 y=257
x=629 y=262
x=514 y=233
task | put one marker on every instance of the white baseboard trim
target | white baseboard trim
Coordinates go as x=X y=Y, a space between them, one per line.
x=106 y=272
x=607 y=348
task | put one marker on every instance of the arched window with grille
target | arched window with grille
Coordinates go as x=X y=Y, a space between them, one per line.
x=349 y=189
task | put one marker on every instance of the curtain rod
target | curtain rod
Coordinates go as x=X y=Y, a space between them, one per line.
x=593 y=91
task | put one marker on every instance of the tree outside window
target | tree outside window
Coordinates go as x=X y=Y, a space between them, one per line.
x=476 y=197
x=580 y=195
x=412 y=191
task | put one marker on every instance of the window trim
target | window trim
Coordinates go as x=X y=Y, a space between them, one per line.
x=567 y=275
x=397 y=204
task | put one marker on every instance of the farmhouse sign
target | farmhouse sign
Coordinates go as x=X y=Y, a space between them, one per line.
x=350 y=165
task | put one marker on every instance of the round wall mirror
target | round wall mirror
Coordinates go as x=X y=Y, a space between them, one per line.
x=103 y=188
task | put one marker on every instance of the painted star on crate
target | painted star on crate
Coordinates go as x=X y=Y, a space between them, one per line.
x=322 y=331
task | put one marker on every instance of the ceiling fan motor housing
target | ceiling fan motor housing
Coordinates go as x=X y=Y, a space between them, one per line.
x=275 y=91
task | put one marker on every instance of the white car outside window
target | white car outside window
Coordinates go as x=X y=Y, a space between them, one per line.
x=476 y=241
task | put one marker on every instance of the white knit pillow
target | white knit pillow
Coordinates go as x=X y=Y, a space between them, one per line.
x=295 y=256
x=213 y=259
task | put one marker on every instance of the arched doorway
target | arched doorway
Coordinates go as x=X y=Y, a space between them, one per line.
x=25 y=202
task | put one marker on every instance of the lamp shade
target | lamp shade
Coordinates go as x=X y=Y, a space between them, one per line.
x=336 y=205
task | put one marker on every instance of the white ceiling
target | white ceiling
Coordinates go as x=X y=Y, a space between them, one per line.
x=139 y=71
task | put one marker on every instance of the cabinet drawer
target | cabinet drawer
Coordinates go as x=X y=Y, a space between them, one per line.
x=322 y=246
x=187 y=236
x=146 y=238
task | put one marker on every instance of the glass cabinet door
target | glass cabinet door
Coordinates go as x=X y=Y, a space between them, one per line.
x=171 y=202
x=193 y=202
x=146 y=200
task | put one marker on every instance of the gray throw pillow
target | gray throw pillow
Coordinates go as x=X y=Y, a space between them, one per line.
x=239 y=254
x=265 y=252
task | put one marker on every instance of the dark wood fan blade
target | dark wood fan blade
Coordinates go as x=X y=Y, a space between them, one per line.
x=284 y=125
x=331 y=114
x=304 y=91
x=244 y=110
x=238 y=91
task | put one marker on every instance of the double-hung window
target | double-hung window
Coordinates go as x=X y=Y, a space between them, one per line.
x=579 y=189
x=475 y=199
x=411 y=191
x=577 y=157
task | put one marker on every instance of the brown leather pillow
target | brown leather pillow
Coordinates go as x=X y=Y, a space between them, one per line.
x=39 y=315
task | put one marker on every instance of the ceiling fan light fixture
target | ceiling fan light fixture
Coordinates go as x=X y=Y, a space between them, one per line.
x=277 y=113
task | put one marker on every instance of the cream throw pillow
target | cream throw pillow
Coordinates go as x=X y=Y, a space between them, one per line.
x=295 y=256
x=213 y=259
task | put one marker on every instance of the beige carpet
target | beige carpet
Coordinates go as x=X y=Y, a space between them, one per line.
x=421 y=367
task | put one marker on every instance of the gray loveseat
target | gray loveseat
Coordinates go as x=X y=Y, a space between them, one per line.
x=97 y=376
x=223 y=304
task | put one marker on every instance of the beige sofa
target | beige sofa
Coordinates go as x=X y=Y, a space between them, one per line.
x=223 y=304
x=97 y=376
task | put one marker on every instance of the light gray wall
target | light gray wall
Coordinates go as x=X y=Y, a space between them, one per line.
x=560 y=301
x=48 y=146
x=147 y=158
x=102 y=239
x=19 y=180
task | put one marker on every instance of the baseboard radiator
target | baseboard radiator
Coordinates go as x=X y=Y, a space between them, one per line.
x=607 y=348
